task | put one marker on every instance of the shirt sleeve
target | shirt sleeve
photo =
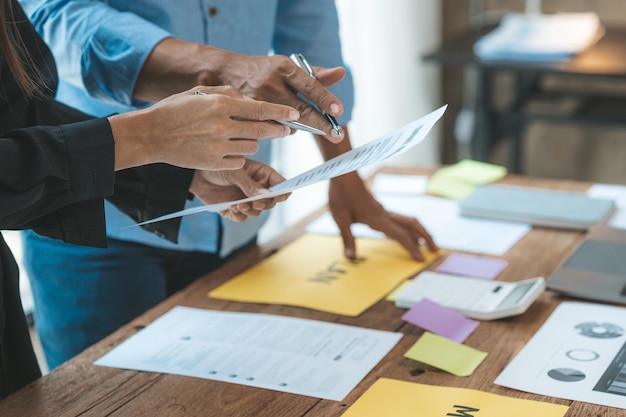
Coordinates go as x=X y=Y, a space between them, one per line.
x=312 y=29
x=86 y=39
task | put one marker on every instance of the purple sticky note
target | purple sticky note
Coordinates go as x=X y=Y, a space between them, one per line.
x=472 y=266
x=440 y=320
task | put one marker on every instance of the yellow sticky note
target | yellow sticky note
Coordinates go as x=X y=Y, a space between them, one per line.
x=457 y=181
x=312 y=272
x=475 y=172
x=443 y=186
x=390 y=397
x=445 y=354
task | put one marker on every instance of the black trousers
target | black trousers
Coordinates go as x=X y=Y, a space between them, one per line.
x=18 y=363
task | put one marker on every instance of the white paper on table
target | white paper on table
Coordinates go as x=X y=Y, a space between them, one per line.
x=578 y=354
x=399 y=184
x=616 y=193
x=377 y=150
x=306 y=357
x=442 y=219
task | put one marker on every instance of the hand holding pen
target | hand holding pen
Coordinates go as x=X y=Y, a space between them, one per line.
x=302 y=63
x=276 y=79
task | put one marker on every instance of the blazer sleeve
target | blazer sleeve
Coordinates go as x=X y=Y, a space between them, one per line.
x=54 y=179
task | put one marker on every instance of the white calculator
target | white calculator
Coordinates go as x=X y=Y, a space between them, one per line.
x=476 y=298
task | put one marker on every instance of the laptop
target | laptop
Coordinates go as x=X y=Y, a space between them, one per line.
x=596 y=270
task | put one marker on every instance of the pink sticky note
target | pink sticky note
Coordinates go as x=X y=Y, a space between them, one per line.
x=472 y=266
x=440 y=320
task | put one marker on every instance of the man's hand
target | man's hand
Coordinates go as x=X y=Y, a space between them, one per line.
x=350 y=202
x=253 y=179
x=278 y=80
x=175 y=65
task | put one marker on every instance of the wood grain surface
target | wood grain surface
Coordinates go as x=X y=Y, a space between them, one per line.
x=80 y=388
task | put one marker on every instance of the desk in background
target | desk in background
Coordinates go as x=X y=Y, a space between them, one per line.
x=80 y=388
x=532 y=98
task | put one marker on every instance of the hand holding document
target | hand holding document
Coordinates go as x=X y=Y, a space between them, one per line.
x=377 y=150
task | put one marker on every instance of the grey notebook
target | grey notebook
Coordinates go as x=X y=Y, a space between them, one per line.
x=539 y=207
x=596 y=270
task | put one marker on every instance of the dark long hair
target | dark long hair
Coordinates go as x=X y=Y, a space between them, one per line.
x=15 y=54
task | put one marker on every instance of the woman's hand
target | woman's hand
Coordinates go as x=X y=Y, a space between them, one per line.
x=211 y=131
x=254 y=178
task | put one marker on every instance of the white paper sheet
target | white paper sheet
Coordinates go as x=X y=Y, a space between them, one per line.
x=377 y=150
x=616 y=193
x=402 y=185
x=306 y=357
x=442 y=219
x=578 y=354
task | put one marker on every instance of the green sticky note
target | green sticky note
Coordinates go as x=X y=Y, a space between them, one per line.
x=444 y=354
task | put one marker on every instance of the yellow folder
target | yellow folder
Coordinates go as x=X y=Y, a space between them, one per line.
x=389 y=397
x=312 y=272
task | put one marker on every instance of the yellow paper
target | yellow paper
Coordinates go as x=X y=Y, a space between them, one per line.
x=457 y=181
x=312 y=272
x=389 y=397
x=445 y=354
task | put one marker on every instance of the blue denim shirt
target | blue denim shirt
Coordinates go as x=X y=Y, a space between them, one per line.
x=100 y=47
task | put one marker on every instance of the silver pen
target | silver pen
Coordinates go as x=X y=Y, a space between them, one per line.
x=302 y=63
x=293 y=124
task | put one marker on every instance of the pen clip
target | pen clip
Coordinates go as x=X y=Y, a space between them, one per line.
x=302 y=63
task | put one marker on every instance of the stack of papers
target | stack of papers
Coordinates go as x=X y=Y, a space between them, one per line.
x=540 y=37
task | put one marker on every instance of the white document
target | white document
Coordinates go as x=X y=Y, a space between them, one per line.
x=441 y=218
x=578 y=354
x=377 y=150
x=616 y=193
x=306 y=357
x=402 y=185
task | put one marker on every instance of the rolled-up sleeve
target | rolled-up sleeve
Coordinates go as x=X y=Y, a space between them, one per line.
x=85 y=38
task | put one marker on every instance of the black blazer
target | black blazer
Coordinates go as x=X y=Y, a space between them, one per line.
x=56 y=166
x=53 y=176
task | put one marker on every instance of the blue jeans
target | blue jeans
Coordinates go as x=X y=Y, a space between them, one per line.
x=82 y=294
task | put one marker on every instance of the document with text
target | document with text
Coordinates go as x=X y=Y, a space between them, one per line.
x=377 y=150
x=299 y=356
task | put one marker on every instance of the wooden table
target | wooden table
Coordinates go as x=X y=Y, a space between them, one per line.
x=80 y=388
